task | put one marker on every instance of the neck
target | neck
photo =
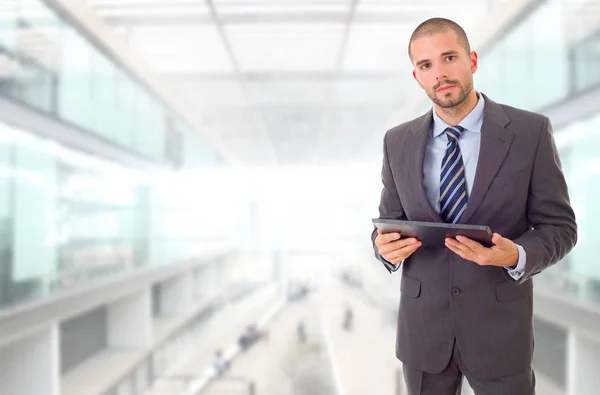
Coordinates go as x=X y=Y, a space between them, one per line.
x=453 y=115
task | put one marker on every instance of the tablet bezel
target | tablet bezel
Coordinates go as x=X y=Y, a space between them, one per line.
x=432 y=234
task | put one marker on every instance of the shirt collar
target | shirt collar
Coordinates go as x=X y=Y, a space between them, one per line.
x=472 y=122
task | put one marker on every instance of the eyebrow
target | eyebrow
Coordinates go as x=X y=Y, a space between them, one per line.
x=452 y=52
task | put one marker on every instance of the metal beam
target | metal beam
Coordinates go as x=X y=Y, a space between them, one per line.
x=246 y=18
x=22 y=320
x=573 y=108
x=338 y=68
x=21 y=116
x=219 y=24
x=278 y=76
x=81 y=15
x=236 y=66
x=344 y=44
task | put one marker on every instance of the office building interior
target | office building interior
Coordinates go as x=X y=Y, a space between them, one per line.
x=187 y=188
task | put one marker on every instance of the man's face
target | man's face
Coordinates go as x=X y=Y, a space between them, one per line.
x=443 y=68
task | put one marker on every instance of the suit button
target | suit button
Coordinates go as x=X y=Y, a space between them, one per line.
x=455 y=291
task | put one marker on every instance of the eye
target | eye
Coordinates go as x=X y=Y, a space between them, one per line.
x=424 y=66
x=450 y=58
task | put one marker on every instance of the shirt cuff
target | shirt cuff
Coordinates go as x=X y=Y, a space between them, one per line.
x=518 y=271
x=391 y=267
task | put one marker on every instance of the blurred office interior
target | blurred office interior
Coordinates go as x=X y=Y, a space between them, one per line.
x=177 y=173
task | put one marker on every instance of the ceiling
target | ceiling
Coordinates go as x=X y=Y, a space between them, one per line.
x=286 y=81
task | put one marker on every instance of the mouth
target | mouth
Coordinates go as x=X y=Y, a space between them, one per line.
x=445 y=88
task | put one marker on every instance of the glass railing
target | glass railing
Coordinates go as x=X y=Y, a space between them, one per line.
x=51 y=65
x=68 y=218
x=532 y=67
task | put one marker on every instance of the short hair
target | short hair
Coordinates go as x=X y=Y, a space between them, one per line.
x=439 y=25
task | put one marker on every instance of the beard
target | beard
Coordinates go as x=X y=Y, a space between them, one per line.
x=448 y=102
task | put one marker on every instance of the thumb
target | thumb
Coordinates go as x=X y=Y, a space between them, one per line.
x=498 y=240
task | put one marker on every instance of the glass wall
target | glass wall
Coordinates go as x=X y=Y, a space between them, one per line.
x=68 y=218
x=49 y=64
x=578 y=143
x=533 y=66
x=64 y=217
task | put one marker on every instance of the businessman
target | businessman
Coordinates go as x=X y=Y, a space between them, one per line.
x=465 y=309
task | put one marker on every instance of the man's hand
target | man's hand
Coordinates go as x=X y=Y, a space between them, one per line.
x=394 y=249
x=503 y=253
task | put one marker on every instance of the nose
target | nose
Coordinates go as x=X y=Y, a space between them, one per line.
x=440 y=72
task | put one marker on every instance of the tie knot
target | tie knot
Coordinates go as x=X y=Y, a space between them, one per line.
x=454 y=132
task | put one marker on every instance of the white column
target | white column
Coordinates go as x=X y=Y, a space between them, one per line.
x=176 y=295
x=205 y=279
x=31 y=366
x=583 y=364
x=201 y=280
x=130 y=321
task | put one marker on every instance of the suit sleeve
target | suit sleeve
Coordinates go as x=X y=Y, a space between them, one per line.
x=390 y=206
x=553 y=230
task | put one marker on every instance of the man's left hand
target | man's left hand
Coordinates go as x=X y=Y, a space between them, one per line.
x=503 y=253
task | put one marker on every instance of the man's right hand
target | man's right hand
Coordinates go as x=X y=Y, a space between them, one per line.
x=393 y=248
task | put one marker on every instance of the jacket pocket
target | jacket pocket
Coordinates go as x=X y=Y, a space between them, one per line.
x=506 y=292
x=410 y=286
x=507 y=180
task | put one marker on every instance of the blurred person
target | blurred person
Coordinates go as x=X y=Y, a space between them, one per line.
x=250 y=336
x=348 y=319
x=301 y=332
x=220 y=364
x=466 y=310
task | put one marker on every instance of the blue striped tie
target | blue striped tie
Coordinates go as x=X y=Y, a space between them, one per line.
x=453 y=188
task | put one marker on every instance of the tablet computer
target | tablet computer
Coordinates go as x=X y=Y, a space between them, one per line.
x=432 y=234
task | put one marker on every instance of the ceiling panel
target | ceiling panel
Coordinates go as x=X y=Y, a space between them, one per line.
x=287 y=99
x=293 y=131
x=171 y=49
x=377 y=47
x=346 y=130
x=286 y=47
x=282 y=92
x=209 y=93
x=234 y=121
x=281 y=3
x=241 y=130
x=286 y=7
x=371 y=91
x=143 y=8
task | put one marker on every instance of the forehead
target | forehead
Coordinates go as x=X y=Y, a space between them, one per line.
x=435 y=44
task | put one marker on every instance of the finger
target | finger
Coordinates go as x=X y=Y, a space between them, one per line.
x=385 y=238
x=465 y=251
x=471 y=244
x=404 y=252
x=456 y=244
x=455 y=250
x=396 y=245
x=411 y=241
x=498 y=240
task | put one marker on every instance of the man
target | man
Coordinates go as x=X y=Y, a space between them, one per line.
x=466 y=309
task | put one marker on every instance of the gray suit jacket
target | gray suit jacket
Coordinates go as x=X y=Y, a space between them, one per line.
x=520 y=192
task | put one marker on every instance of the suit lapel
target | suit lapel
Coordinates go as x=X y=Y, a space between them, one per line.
x=415 y=151
x=495 y=143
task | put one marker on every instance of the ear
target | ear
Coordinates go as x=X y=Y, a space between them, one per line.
x=474 y=62
x=416 y=79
